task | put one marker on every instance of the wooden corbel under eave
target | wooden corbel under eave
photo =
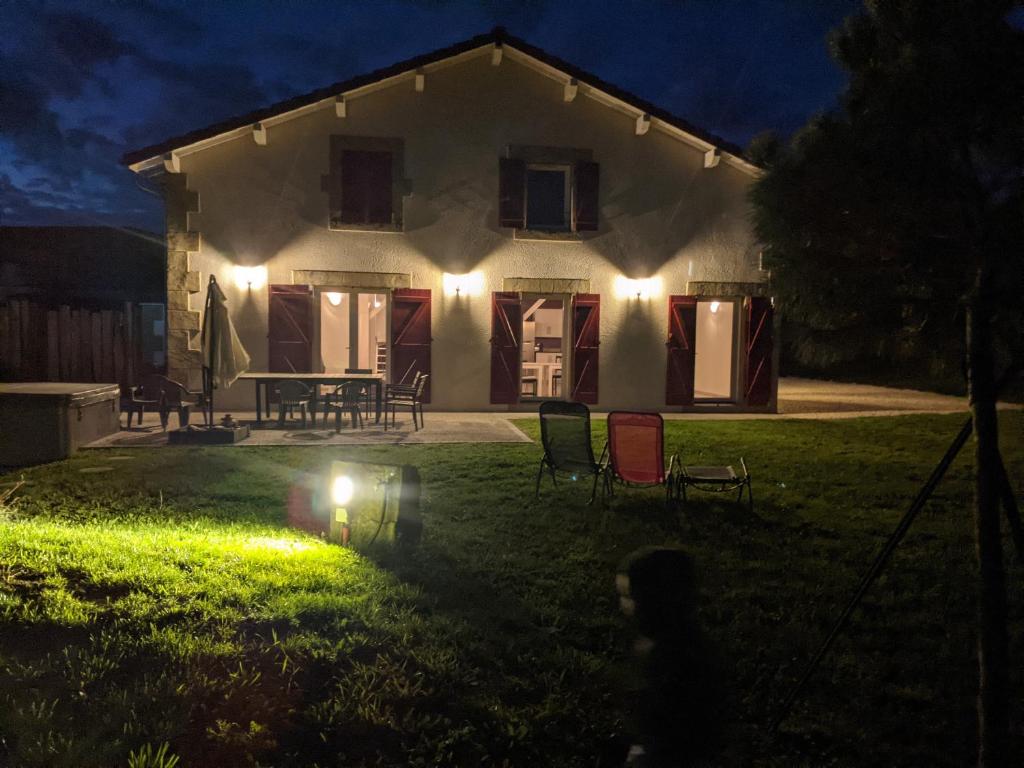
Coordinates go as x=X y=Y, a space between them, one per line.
x=259 y=134
x=340 y=106
x=421 y=80
x=172 y=163
x=571 y=89
x=712 y=157
x=643 y=124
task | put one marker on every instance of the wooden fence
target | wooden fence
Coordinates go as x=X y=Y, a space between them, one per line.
x=39 y=343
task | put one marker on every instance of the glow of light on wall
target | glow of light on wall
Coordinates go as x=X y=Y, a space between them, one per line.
x=333 y=297
x=642 y=288
x=469 y=284
x=714 y=307
x=250 y=277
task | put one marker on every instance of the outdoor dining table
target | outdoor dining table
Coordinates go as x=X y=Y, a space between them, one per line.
x=315 y=380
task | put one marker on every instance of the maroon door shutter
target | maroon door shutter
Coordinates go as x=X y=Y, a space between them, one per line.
x=585 y=201
x=290 y=329
x=506 y=340
x=511 y=192
x=682 y=338
x=759 y=350
x=410 y=336
x=586 y=337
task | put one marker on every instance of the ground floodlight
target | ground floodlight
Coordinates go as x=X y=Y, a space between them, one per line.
x=362 y=503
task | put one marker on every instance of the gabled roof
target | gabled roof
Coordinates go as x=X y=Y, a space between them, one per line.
x=518 y=49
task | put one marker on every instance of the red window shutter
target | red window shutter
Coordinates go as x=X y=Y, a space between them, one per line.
x=365 y=187
x=410 y=336
x=586 y=338
x=512 y=192
x=586 y=179
x=506 y=340
x=682 y=346
x=759 y=350
x=290 y=328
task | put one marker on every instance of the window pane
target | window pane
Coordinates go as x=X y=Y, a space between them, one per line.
x=365 y=187
x=545 y=199
x=334 y=331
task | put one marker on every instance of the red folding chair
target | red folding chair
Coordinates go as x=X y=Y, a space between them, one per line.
x=636 y=452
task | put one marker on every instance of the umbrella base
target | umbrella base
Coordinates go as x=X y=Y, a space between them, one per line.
x=216 y=435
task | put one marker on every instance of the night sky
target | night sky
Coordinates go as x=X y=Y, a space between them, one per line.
x=83 y=82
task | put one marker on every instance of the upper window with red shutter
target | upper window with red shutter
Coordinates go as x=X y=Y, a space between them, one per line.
x=548 y=198
x=548 y=191
x=365 y=185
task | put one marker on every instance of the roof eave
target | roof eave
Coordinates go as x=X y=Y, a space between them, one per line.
x=165 y=154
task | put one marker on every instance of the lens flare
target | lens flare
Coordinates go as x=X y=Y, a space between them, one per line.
x=342 y=489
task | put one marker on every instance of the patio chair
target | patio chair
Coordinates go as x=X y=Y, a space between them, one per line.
x=177 y=397
x=366 y=390
x=135 y=400
x=402 y=386
x=347 y=398
x=162 y=395
x=292 y=394
x=565 y=435
x=636 y=453
x=400 y=396
x=722 y=479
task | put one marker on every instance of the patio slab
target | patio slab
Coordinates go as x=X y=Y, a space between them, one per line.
x=798 y=399
x=439 y=428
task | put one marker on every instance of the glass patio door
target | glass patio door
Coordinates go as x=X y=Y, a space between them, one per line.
x=353 y=331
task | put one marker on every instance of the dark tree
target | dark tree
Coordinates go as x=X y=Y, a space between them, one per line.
x=898 y=218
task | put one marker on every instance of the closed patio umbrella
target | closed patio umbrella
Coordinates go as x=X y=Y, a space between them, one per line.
x=224 y=357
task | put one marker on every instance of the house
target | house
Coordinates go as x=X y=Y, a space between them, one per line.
x=486 y=213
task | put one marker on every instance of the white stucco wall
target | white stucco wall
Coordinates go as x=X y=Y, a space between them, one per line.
x=662 y=214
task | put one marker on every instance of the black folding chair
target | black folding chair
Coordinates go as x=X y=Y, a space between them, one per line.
x=565 y=434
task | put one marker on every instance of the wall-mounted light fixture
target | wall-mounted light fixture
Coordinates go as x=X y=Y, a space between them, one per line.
x=469 y=284
x=250 y=277
x=334 y=297
x=714 y=307
x=643 y=288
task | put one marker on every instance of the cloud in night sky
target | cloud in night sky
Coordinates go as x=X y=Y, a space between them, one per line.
x=83 y=82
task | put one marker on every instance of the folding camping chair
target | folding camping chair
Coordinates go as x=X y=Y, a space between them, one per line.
x=636 y=453
x=721 y=479
x=565 y=434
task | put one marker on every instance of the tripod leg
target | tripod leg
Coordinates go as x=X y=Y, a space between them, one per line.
x=875 y=569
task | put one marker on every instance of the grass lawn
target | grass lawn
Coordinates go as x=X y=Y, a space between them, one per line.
x=165 y=602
